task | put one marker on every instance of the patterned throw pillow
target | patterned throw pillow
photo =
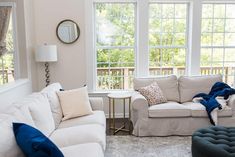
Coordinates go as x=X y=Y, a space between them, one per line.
x=153 y=94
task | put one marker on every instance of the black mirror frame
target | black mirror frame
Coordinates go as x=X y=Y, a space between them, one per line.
x=78 y=29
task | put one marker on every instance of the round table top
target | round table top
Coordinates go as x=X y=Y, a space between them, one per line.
x=120 y=95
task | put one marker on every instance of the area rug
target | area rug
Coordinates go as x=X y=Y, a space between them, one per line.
x=131 y=146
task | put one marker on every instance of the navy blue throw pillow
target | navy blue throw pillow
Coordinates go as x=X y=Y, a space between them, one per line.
x=33 y=143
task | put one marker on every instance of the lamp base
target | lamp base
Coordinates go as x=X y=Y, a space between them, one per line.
x=47 y=73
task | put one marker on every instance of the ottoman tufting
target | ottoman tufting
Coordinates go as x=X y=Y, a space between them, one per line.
x=215 y=141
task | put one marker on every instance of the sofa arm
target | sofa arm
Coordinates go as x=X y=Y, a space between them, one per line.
x=96 y=103
x=139 y=106
x=231 y=102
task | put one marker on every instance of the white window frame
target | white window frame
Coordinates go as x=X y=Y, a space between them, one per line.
x=224 y=47
x=15 y=43
x=142 y=40
x=134 y=47
x=186 y=46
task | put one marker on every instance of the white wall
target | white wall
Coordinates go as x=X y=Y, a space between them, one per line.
x=70 y=70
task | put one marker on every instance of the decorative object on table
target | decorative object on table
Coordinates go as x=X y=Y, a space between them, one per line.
x=215 y=141
x=46 y=53
x=67 y=31
x=121 y=96
x=33 y=142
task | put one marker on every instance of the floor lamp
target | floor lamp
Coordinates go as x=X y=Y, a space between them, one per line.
x=46 y=54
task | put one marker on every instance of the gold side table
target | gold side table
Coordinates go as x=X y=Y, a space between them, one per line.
x=119 y=96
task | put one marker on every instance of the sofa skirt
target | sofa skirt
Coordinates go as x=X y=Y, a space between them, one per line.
x=175 y=126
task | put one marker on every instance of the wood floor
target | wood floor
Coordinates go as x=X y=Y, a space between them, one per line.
x=118 y=122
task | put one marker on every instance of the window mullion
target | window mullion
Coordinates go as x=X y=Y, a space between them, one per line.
x=193 y=56
x=142 y=55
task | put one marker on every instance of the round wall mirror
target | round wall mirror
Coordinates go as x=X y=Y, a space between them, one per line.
x=67 y=31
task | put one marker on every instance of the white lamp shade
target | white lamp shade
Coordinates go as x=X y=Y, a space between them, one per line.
x=46 y=53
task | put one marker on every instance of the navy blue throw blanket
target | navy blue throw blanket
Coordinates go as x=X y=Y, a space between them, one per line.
x=218 y=89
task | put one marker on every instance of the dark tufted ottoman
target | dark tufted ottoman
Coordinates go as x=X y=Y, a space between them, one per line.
x=216 y=141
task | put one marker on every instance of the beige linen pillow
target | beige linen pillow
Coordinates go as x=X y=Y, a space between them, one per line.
x=153 y=94
x=75 y=103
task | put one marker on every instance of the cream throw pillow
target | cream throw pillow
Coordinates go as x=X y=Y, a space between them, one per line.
x=153 y=94
x=75 y=103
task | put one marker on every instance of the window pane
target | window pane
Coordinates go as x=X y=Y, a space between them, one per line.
x=180 y=11
x=207 y=11
x=219 y=11
x=230 y=39
x=167 y=61
x=230 y=55
x=217 y=54
x=115 y=68
x=115 y=41
x=179 y=39
x=218 y=25
x=207 y=25
x=218 y=39
x=206 y=55
x=230 y=25
x=115 y=24
x=230 y=11
x=7 y=60
x=180 y=26
x=167 y=38
x=206 y=39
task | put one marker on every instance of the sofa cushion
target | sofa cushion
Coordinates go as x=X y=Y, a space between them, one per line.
x=75 y=103
x=189 y=86
x=52 y=96
x=8 y=145
x=168 y=85
x=198 y=110
x=90 y=133
x=169 y=109
x=153 y=94
x=40 y=110
x=83 y=150
x=97 y=117
x=33 y=143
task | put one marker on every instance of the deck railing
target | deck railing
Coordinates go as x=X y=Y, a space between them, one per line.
x=122 y=77
x=6 y=76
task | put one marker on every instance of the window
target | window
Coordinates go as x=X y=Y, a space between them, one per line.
x=114 y=45
x=7 y=50
x=218 y=40
x=142 y=38
x=167 y=38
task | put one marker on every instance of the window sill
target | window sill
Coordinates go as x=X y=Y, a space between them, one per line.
x=15 y=84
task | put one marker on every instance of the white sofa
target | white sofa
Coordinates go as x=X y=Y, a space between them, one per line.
x=83 y=136
x=179 y=116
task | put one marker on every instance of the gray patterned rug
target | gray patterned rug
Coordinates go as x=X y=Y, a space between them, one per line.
x=131 y=146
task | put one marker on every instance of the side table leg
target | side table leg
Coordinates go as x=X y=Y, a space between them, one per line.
x=114 y=128
x=124 y=111
x=129 y=115
x=110 y=123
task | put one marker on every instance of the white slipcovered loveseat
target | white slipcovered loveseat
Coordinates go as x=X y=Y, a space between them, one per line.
x=82 y=136
x=179 y=116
